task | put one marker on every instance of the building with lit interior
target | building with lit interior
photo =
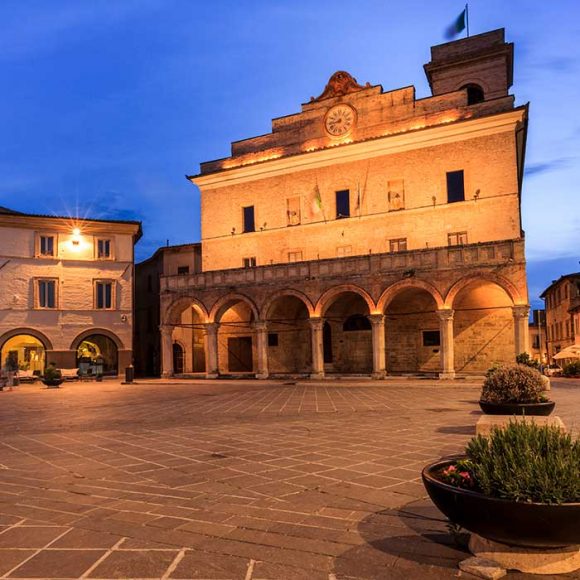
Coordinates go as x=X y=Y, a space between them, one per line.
x=67 y=292
x=372 y=232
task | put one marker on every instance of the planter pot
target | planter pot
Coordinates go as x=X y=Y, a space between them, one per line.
x=528 y=409
x=53 y=384
x=532 y=525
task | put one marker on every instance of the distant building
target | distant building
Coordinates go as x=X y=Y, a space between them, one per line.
x=562 y=299
x=372 y=232
x=67 y=291
x=537 y=328
x=182 y=260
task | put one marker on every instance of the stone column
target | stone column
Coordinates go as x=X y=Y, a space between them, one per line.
x=262 y=349
x=210 y=349
x=316 y=325
x=378 y=335
x=521 y=333
x=166 y=351
x=447 y=344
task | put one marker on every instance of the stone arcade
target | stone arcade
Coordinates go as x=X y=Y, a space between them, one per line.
x=371 y=233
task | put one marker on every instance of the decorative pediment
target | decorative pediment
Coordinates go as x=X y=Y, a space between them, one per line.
x=340 y=83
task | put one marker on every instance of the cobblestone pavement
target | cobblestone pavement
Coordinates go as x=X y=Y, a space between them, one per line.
x=238 y=479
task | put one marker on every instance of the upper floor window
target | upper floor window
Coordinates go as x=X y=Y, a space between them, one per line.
x=455 y=186
x=249 y=262
x=398 y=245
x=103 y=295
x=46 y=289
x=249 y=221
x=457 y=239
x=295 y=256
x=183 y=270
x=396 y=194
x=342 y=204
x=293 y=211
x=104 y=248
x=46 y=245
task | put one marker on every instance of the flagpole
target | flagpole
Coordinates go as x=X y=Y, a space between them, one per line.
x=467 y=19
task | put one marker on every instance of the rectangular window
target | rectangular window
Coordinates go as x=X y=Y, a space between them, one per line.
x=343 y=251
x=536 y=343
x=293 y=211
x=182 y=270
x=431 y=338
x=396 y=194
x=457 y=239
x=46 y=245
x=342 y=204
x=295 y=256
x=249 y=222
x=46 y=293
x=272 y=339
x=103 y=295
x=455 y=188
x=103 y=249
x=398 y=245
x=249 y=262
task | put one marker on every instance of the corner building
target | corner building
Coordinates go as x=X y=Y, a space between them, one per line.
x=370 y=233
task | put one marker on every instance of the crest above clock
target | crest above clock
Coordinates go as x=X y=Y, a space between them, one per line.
x=340 y=83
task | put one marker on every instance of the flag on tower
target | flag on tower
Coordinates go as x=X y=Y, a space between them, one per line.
x=316 y=201
x=458 y=26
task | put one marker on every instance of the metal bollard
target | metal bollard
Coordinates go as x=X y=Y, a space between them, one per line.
x=129 y=375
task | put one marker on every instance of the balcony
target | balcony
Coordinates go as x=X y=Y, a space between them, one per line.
x=445 y=258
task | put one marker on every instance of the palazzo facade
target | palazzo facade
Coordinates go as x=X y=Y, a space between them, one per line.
x=371 y=233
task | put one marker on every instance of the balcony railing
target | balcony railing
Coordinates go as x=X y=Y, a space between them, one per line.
x=485 y=254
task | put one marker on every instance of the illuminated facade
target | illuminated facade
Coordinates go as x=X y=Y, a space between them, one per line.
x=67 y=292
x=370 y=233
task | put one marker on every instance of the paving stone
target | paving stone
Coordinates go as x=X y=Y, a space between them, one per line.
x=134 y=564
x=204 y=565
x=11 y=558
x=29 y=537
x=58 y=564
x=79 y=538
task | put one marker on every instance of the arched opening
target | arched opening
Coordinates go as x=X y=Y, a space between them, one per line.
x=178 y=359
x=289 y=342
x=483 y=327
x=236 y=343
x=348 y=344
x=24 y=352
x=188 y=334
x=97 y=354
x=412 y=332
x=474 y=94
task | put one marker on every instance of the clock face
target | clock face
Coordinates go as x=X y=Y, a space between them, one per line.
x=339 y=120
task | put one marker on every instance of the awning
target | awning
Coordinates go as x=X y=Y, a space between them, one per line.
x=569 y=352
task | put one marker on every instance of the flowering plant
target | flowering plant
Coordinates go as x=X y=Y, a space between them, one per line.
x=459 y=475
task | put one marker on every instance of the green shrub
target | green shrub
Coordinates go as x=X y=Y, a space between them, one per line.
x=525 y=359
x=572 y=369
x=528 y=463
x=51 y=373
x=512 y=384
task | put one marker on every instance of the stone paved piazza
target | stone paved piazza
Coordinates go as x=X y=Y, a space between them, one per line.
x=238 y=479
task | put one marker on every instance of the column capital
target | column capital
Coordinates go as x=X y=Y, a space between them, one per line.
x=521 y=311
x=446 y=314
x=316 y=323
x=376 y=318
x=260 y=325
x=211 y=326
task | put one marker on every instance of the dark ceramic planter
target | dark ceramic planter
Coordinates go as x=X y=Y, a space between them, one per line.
x=532 y=525
x=53 y=384
x=528 y=409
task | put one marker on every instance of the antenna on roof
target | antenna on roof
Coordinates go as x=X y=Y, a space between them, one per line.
x=167 y=243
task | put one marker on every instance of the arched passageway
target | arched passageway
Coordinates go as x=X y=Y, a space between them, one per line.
x=289 y=344
x=235 y=337
x=413 y=340
x=98 y=354
x=347 y=336
x=188 y=334
x=483 y=326
x=23 y=352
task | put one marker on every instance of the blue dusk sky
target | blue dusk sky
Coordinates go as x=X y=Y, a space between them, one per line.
x=106 y=105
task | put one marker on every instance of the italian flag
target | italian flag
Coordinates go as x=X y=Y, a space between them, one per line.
x=458 y=26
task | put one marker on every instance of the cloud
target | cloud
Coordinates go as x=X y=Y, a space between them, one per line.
x=546 y=166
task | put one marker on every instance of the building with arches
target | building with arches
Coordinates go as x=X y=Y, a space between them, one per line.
x=67 y=292
x=371 y=233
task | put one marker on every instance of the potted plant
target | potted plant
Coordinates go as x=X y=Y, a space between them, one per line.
x=572 y=370
x=514 y=390
x=519 y=486
x=52 y=377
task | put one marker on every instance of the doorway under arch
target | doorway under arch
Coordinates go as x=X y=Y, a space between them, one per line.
x=24 y=352
x=178 y=359
x=94 y=348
